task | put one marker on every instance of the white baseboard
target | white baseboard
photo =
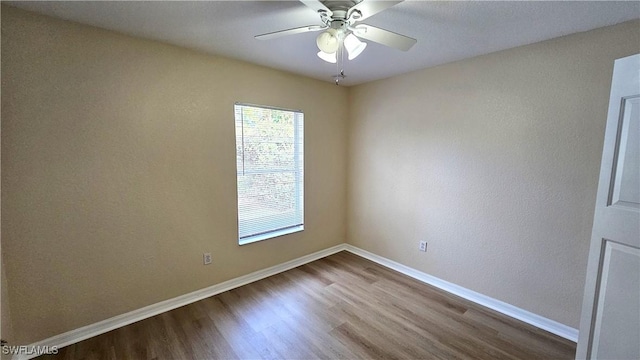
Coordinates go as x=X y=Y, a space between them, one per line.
x=538 y=321
x=101 y=327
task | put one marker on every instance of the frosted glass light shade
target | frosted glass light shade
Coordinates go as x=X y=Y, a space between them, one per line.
x=354 y=46
x=327 y=42
x=327 y=57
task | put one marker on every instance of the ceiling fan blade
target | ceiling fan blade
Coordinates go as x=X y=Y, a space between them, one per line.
x=370 y=8
x=384 y=37
x=317 y=6
x=276 y=34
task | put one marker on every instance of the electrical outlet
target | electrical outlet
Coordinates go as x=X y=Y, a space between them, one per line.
x=206 y=258
x=423 y=246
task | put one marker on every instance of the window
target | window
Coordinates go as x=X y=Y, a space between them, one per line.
x=270 y=172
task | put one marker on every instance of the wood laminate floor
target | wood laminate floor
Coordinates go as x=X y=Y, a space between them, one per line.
x=341 y=306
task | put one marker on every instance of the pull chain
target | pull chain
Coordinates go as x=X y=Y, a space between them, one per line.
x=340 y=63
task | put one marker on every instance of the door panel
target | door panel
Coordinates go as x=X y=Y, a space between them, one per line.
x=618 y=309
x=624 y=189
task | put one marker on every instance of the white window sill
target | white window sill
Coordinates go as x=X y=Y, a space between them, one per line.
x=270 y=235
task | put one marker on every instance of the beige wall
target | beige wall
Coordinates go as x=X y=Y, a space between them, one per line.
x=118 y=171
x=494 y=161
x=5 y=315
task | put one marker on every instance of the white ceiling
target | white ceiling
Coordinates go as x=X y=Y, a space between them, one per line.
x=446 y=31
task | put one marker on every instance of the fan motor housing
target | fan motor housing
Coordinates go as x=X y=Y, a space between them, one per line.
x=339 y=24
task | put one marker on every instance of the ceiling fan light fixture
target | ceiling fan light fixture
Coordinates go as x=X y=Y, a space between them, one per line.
x=327 y=41
x=354 y=46
x=331 y=58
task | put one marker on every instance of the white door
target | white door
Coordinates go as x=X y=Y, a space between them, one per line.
x=610 y=322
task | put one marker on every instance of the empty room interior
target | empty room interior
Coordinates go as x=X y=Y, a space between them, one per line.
x=305 y=179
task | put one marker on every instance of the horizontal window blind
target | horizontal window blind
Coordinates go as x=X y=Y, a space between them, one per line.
x=270 y=169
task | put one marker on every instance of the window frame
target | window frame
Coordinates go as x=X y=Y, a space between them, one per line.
x=298 y=170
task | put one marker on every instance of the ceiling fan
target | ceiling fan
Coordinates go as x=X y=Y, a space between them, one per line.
x=342 y=29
